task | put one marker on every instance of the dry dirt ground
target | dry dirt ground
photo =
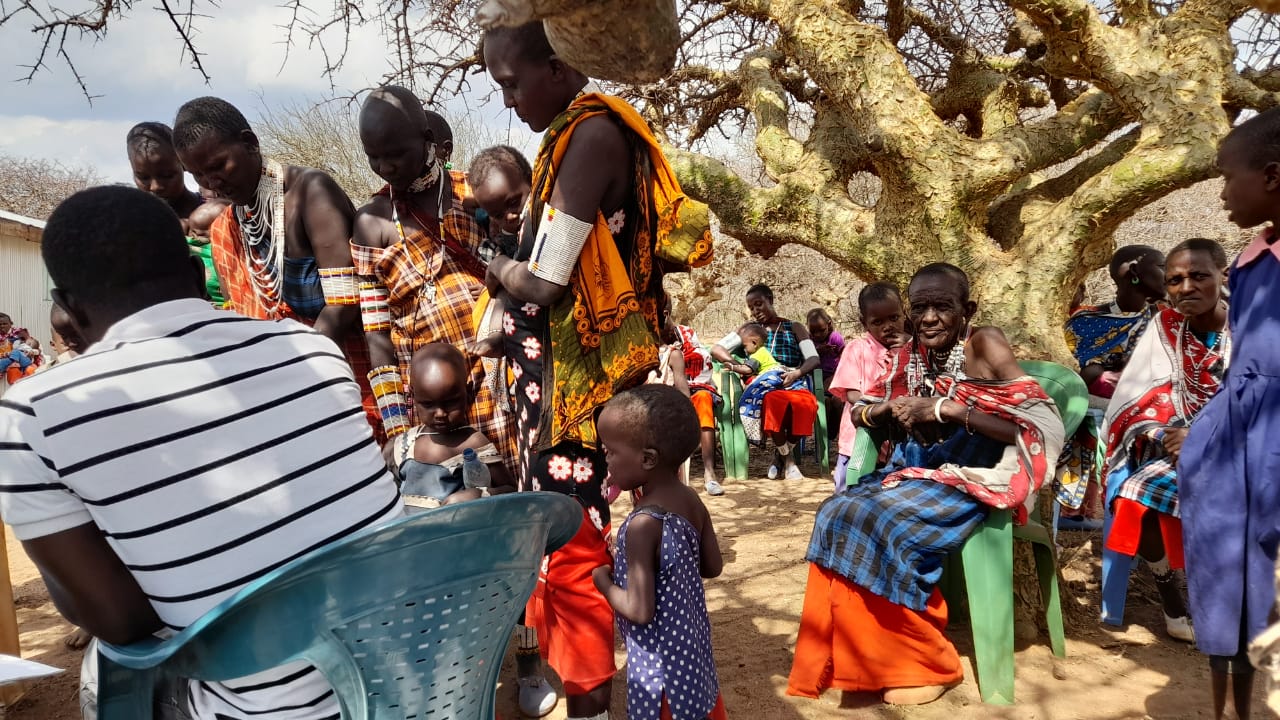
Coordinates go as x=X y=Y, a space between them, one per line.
x=755 y=610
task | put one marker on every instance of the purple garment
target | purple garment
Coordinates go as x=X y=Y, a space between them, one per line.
x=671 y=655
x=830 y=358
x=1229 y=473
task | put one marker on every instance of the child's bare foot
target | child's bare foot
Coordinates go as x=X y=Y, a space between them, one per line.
x=914 y=695
x=77 y=639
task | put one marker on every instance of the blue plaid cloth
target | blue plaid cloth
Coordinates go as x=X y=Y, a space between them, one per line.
x=892 y=540
x=784 y=347
x=1153 y=483
x=301 y=287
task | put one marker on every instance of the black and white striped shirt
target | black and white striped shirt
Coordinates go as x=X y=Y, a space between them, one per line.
x=210 y=449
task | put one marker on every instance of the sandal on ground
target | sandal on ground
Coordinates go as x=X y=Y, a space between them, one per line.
x=914 y=695
x=793 y=473
x=1180 y=628
x=713 y=488
x=773 y=472
x=536 y=697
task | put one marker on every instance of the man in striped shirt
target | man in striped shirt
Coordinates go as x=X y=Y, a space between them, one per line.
x=187 y=452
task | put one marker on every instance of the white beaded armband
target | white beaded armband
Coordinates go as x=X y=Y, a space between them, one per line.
x=375 y=310
x=339 y=286
x=558 y=244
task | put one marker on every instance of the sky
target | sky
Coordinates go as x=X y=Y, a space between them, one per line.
x=139 y=74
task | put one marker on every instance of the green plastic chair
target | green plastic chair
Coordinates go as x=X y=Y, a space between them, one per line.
x=986 y=561
x=734 y=448
x=409 y=619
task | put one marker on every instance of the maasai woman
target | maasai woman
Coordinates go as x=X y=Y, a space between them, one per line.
x=414 y=248
x=1173 y=370
x=972 y=432
x=583 y=298
x=784 y=410
x=157 y=170
x=282 y=247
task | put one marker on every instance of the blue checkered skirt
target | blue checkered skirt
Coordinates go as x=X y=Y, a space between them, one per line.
x=892 y=540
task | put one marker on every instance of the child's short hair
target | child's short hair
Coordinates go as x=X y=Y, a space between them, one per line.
x=498 y=157
x=1212 y=247
x=877 y=292
x=439 y=352
x=818 y=314
x=753 y=330
x=662 y=418
x=1259 y=137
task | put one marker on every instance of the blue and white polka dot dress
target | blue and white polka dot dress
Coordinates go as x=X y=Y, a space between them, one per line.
x=671 y=655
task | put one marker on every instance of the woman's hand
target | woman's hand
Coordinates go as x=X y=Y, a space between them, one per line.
x=1173 y=437
x=911 y=411
x=791 y=377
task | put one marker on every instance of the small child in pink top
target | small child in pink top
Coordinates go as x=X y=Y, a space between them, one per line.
x=880 y=312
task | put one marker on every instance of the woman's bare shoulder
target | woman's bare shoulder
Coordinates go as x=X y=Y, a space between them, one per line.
x=989 y=355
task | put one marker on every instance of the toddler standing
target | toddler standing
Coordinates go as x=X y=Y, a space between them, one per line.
x=664 y=549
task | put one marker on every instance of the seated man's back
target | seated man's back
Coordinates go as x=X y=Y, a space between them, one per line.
x=209 y=449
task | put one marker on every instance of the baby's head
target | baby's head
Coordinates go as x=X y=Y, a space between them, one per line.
x=647 y=432
x=501 y=180
x=201 y=219
x=438 y=374
x=754 y=336
x=819 y=322
x=880 y=311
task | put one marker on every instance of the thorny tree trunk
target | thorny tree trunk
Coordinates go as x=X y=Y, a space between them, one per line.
x=981 y=202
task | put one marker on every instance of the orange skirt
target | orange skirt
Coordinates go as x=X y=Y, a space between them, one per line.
x=574 y=621
x=1126 y=531
x=705 y=406
x=852 y=639
x=803 y=407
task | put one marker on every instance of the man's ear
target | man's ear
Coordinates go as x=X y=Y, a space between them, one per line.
x=79 y=319
x=557 y=67
x=970 y=309
x=250 y=140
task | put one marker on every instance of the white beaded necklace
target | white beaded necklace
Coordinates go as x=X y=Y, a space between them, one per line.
x=1186 y=385
x=921 y=367
x=262 y=221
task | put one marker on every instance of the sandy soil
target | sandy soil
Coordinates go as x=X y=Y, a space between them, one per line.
x=755 y=610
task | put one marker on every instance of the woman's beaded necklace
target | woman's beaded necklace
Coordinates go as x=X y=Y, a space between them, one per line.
x=1190 y=393
x=925 y=366
x=262 y=235
x=431 y=177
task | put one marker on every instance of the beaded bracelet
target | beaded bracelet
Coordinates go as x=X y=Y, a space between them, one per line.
x=967 y=427
x=388 y=391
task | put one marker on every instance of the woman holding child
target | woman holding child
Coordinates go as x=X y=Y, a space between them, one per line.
x=781 y=407
x=1176 y=366
x=971 y=432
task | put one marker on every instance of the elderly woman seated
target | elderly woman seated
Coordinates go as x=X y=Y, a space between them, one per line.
x=971 y=432
x=781 y=406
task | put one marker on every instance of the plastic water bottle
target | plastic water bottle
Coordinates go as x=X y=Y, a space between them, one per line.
x=475 y=474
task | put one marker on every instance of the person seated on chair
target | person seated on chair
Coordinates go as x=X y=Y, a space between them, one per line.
x=222 y=465
x=972 y=432
x=787 y=411
x=428 y=458
x=759 y=359
x=1101 y=337
x=1175 y=368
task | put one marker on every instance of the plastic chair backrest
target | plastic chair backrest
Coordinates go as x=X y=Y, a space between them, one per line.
x=410 y=619
x=1066 y=388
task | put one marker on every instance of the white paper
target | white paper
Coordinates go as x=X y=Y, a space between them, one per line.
x=13 y=669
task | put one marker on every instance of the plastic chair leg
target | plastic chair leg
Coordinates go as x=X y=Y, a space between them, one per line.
x=1115 y=578
x=988 y=573
x=1047 y=569
x=124 y=693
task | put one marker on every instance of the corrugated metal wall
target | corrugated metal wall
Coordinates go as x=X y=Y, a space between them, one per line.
x=24 y=286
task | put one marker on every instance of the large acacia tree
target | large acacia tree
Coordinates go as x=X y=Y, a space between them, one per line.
x=1009 y=136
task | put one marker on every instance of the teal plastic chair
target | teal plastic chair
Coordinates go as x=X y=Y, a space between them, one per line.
x=409 y=619
x=734 y=448
x=986 y=560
